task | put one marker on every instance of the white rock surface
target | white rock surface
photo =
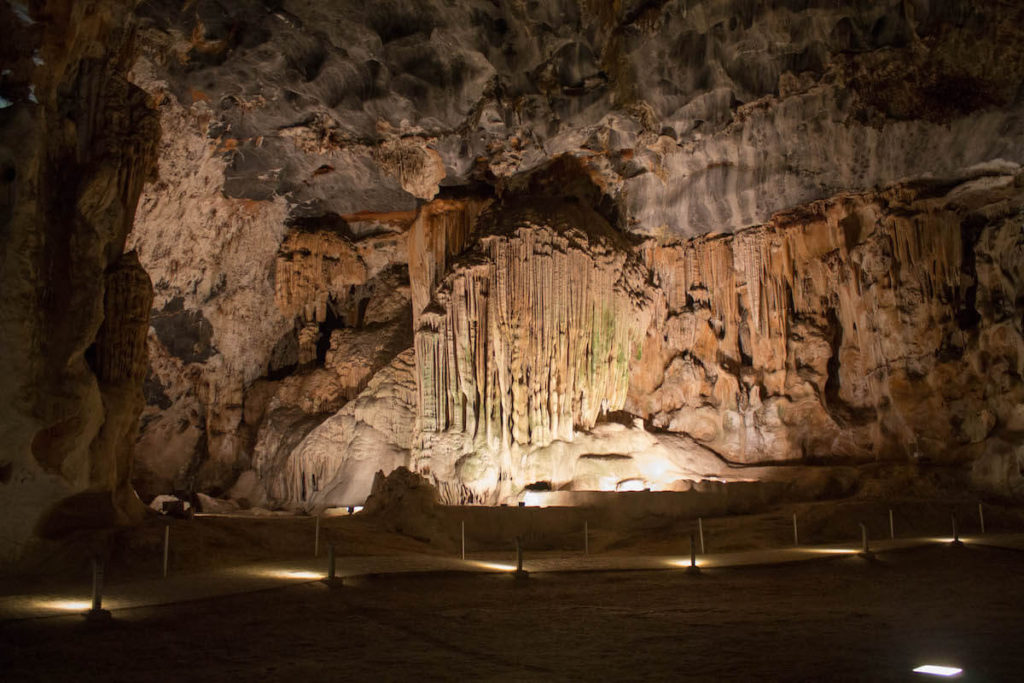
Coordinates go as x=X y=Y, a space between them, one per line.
x=335 y=464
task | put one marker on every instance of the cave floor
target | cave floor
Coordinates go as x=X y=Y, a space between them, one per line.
x=837 y=619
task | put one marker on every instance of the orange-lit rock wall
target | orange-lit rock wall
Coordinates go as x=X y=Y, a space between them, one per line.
x=878 y=325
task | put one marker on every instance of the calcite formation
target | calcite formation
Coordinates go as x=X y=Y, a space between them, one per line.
x=440 y=232
x=872 y=326
x=77 y=143
x=529 y=338
x=334 y=465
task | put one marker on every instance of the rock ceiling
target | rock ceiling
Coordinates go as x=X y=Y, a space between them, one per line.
x=693 y=116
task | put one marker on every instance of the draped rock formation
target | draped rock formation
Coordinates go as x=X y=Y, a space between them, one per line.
x=510 y=245
x=334 y=465
x=873 y=326
x=530 y=336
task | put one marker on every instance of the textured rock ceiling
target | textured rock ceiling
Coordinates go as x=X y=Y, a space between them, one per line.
x=693 y=116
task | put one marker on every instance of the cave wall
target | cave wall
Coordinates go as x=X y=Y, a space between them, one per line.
x=77 y=142
x=323 y=169
x=883 y=325
x=693 y=115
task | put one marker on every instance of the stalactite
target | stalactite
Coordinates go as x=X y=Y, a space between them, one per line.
x=531 y=334
x=828 y=327
x=439 y=233
x=311 y=268
x=121 y=344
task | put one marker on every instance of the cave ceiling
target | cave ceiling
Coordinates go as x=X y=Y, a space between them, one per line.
x=691 y=116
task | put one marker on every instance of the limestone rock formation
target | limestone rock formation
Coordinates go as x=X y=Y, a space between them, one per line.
x=878 y=325
x=440 y=232
x=631 y=244
x=77 y=142
x=529 y=337
x=696 y=115
x=246 y=296
x=789 y=213
x=334 y=465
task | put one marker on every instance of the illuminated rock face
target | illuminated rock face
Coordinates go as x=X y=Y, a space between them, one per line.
x=334 y=465
x=528 y=338
x=358 y=165
x=876 y=326
x=880 y=325
x=337 y=177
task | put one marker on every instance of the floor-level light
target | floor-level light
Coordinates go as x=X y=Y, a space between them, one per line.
x=936 y=670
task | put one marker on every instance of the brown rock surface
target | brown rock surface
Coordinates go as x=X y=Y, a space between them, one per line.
x=878 y=325
x=77 y=142
x=334 y=463
x=631 y=244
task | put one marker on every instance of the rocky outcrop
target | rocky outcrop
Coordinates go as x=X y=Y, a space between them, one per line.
x=881 y=325
x=121 y=364
x=77 y=142
x=336 y=177
x=215 y=324
x=695 y=115
x=334 y=465
x=246 y=295
x=440 y=232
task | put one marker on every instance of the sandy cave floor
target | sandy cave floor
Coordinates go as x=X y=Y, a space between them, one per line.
x=838 y=619
x=843 y=619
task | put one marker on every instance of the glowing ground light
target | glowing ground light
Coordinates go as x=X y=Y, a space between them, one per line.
x=66 y=605
x=496 y=566
x=289 y=574
x=301 y=575
x=936 y=670
x=830 y=551
x=686 y=563
x=534 y=499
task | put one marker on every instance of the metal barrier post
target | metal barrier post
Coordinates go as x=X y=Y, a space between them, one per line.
x=97 y=613
x=693 y=568
x=332 y=578
x=865 y=548
x=167 y=547
x=519 y=573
